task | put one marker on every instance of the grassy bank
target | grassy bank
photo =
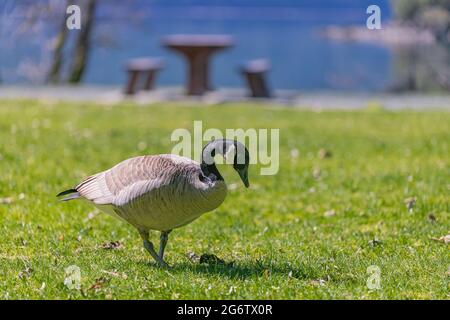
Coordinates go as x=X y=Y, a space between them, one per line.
x=336 y=207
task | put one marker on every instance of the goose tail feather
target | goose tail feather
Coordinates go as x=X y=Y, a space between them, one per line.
x=69 y=194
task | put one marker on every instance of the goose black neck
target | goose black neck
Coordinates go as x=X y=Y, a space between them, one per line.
x=210 y=171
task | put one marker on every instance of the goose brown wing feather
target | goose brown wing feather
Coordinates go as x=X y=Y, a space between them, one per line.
x=136 y=174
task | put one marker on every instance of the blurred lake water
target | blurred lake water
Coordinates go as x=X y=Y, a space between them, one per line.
x=287 y=32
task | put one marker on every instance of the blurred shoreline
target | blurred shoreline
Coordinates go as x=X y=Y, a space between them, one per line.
x=312 y=100
x=391 y=35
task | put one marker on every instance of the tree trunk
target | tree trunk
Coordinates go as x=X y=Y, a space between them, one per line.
x=55 y=69
x=83 y=43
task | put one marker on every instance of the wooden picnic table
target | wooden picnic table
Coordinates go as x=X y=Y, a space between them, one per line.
x=197 y=49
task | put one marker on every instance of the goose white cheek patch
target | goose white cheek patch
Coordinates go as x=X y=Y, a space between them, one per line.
x=229 y=155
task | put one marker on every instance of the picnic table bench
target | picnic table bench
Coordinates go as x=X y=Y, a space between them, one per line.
x=138 y=67
x=254 y=72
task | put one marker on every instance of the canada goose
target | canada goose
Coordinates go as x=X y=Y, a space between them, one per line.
x=162 y=192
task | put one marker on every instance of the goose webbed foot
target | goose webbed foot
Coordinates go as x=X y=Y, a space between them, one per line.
x=163 y=241
x=148 y=245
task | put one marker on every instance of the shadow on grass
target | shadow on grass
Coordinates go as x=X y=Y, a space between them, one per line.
x=242 y=271
x=245 y=270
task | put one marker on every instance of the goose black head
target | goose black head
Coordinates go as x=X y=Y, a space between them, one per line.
x=225 y=147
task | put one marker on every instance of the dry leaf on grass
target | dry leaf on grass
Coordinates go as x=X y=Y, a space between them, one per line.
x=25 y=273
x=330 y=213
x=99 y=283
x=323 y=153
x=318 y=282
x=111 y=245
x=115 y=274
x=232 y=290
x=295 y=153
x=11 y=200
x=142 y=145
x=374 y=242
x=91 y=215
x=410 y=203
x=317 y=173
x=444 y=239
x=193 y=257
x=432 y=217
x=7 y=200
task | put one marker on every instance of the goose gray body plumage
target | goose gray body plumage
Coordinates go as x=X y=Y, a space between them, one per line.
x=161 y=192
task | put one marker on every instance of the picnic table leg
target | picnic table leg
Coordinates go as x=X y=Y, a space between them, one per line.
x=133 y=77
x=150 y=80
x=205 y=70
x=257 y=85
x=198 y=73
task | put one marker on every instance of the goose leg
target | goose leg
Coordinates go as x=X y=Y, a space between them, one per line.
x=149 y=247
x=163 y=241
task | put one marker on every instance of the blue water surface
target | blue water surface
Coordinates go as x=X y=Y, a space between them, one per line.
x=287 y=32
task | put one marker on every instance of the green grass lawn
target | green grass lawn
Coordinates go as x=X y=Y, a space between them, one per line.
x=311 y=231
